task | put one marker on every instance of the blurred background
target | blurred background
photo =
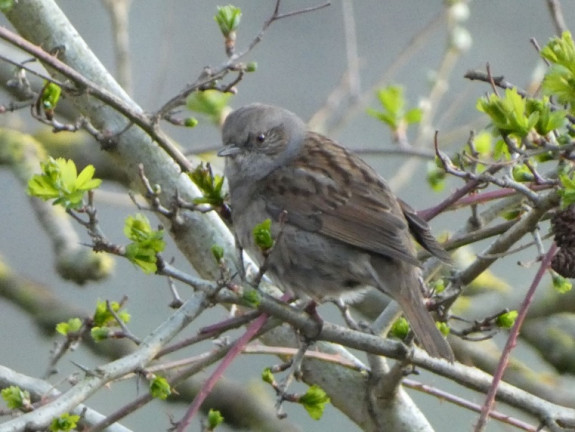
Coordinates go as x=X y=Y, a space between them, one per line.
x=303 y=62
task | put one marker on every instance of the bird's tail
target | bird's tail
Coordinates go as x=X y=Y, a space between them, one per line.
x=423 y=325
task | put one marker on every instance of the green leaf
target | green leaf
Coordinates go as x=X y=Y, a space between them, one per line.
x=268 y=376
x=146 y=242
x=251 y=66
x=99 y=334
x=560 y=284
x=483 y=144
x=314 y=401
x=50 y=95
x=252 y=297
x=160 y=388
x=413 y=115
x=548 y=120
x=391 y=99
x=211 y=103
x=103 y=317
x=60 y=181
x=559 y=80
x=190 y=122
x=142 y=257
x=71 y=326
x=511 y=214
x=400 y=328
x=263 y=235
x=435 y=177
x=567 y=191
x=501 y=151
x=66 y=422
x=137 y=228
x=506 y=320
x=393 y=111
x=209 y=184
x=438 y=286
x=215 y=418
x=508 y=113
x=15 y=397
x=85 y=182
x=443 y=328
x=522 y=173
x=228 y=19
x=561 y=51
x=217 y=252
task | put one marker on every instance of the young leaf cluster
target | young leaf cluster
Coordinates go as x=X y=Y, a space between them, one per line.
x=314 y=401
x=228 y=19
x=71 y=326
x=15 y=397
x=560 y=79
x=523 y=124
x=514 y=115
x=561 y=284
x=394 y=112
x=567 y=190
x=103 y=319
x=436 y=176
x=443 y=327
x=215 y=418
x=263 y=235
x=146 y=242
x=61 y=182
x=400 y=328
x=49 y=98
x=209 y=184
x=66 y=422
x=160 y=387
x=217 y=252
x=507 y=319
x=252 y=297
x=210 y=103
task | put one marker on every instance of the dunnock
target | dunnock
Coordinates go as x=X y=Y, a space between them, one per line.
x=342 y=229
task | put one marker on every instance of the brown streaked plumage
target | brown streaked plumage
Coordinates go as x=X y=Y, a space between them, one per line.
x=343 y=230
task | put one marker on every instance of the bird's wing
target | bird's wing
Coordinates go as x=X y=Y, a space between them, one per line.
x=335 y=193
x=420 y=231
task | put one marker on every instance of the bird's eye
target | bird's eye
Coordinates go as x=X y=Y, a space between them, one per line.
x=261 y=138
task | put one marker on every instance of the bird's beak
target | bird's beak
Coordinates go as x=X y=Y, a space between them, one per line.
x=229 y=150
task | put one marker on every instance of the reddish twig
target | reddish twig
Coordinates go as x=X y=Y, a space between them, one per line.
x=208 y=386
x=464 y=403
x=469 y=187
x=512 y=340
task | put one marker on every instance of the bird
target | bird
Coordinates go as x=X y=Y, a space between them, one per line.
x=339 y=227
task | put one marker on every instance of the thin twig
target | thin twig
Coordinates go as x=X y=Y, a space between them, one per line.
x=498 y=81
x=464 y=403
x=209 y=77
x=512 y=340
x=275 y=17
x=117 y=103
x=21 y=65
x=415 y=44
x=235 y=350
x=490 y=78
x=353 y=74
x=125 y=330
x=557 y=16
x=459 y=193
